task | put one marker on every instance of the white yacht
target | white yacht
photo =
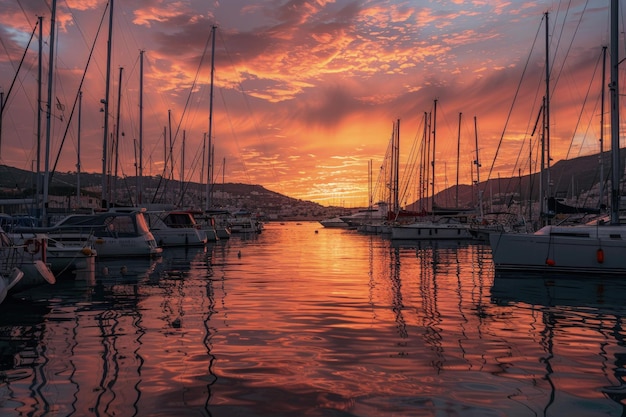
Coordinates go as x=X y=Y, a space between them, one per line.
x=122 y=233
x=175 y=228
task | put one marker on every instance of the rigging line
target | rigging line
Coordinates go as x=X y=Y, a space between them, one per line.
x=27 y=15
x=232 y=130
x=128 y=119
x=187 y=183
x=412 y=163
x=583 y=106
x=569 y=48
x=6 y=99
x=248 y=107
x=167 y=155
x=76 y=24
x=191 y=90
x=522 y=155
x=508 y=117
x=82 y=80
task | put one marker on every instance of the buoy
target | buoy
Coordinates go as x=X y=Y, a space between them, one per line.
x=32 y=246
x=600 y=255
x=550 y=262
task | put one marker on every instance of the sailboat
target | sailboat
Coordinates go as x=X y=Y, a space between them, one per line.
x=212 y=221
x=450 y=224
x=597 y=247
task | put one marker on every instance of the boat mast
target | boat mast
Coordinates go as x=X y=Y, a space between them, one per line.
x=210 y=133
x=601 y=199
x=423 y=191
x=458 y=158
x=477 y=163
x=396 y=170
x=432 y=161
x=545 y=138
x=49 y=116
x=369 y=185
x=80 y=111
x=105 y=102
x=139 y=198
x=614 y=89
x=547 y=110
x=39 y=99
x=117 y=135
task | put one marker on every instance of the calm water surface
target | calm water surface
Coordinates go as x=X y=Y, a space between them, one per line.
x=307 y=321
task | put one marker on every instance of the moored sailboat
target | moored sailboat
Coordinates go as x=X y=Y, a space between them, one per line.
x=597 y=247
x=444 y=223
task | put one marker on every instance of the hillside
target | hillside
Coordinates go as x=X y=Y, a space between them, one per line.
x=17 y=183
x=570 y=177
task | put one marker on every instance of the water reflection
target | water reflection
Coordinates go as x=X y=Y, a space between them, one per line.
x=577 y=320
x=89 y=348
x=301 y=321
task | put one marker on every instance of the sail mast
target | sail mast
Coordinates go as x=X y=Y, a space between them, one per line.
x=458 y=158
x=547 y=109
x=105 y=102
x=80 y=117
x=49 y=116
x=140 y=176
x=209 y=147
x=614 y=89
x=432 y=161
x=39 y=100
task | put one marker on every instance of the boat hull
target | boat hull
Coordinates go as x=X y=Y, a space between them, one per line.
x=431 y=231
x=576 y=250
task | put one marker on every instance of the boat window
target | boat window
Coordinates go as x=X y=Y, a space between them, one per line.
x=179 y=220
x=570 y=234
x=123 y=225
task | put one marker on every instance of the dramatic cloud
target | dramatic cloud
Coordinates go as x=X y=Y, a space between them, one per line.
x=305 y=91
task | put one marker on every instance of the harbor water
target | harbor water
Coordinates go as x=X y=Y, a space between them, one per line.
x=306 y=321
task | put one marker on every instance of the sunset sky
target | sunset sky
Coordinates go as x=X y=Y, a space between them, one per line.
x=306 y=92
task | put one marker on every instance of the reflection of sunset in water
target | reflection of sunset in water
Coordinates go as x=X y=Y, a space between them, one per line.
x=312 y=320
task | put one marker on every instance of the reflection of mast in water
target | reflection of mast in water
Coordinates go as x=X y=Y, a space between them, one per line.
x=428 y=290
x=209 y=310
x=33 y=337
x=547 y=342
x=478 y=253
x=618 y=393
x=116 y=339
x=396 y=289
x=121 y=345
x=371 y=282
x=464 y=321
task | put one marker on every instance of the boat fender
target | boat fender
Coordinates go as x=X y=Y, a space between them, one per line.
x=32 y=246
x=600 y=255
x=550 y=262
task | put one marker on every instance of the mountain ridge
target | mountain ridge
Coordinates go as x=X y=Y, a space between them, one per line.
x=575 y=176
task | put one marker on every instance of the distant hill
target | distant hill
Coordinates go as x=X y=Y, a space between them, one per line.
x=569 y=177
x=18 y=183
x=574 y=176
